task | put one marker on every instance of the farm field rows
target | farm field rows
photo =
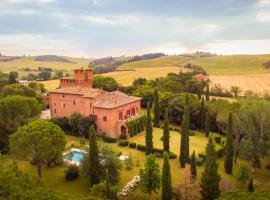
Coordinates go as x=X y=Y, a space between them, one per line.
x=259 y=83
x=233 y=65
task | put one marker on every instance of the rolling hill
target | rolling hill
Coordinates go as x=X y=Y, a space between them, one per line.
x=233 y=65
x=164 y=61
x=31 y=63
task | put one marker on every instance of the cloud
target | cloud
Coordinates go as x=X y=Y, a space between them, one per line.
x=37 y=45
x=263 y=17
x=258 y=46
x=264 y=2
x=27 y=1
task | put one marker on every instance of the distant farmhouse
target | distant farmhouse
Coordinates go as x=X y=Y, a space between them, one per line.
x=111 y=109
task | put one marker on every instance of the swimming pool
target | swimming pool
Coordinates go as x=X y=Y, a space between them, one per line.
x=74 y=156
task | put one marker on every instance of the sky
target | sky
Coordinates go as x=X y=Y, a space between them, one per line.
x=98 y=28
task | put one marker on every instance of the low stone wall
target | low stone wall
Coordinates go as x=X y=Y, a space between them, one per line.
x=130 y=186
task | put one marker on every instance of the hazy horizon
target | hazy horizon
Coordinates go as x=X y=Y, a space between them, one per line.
x=98 y=28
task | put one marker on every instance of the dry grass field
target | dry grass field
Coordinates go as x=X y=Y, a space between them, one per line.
x=259 y=83
x=126 y=78
x=29 y=62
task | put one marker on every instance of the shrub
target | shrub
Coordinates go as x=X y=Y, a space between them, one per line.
x=202 y=155
x=72 y=173
x=192 y=126
x=123 y=143
x=177 y=129
x=268 y=166
x=172 y=155
x=108 y=139
x=243 y=173
x=216 y=137
x=141 y=147
x=123 y=136
x=192 y=133
x=200 y=161
x=156 y=150
x=132 y=145
x=220 y=151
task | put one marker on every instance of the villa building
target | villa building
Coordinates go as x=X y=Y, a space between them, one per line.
x=111 y=109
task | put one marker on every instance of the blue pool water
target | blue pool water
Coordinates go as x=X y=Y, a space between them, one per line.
x=74 y=156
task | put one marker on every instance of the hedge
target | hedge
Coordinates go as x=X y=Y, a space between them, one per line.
x=123 y=136
x=132 y=145
x=108 y=139
x=141 y=147
x=123 y=143
x=136 y=125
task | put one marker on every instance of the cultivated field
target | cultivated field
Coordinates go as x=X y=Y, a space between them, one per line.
x=259 y=83
x=233 y=65
x=126 y=78
x=29 y=62
x=164 y=61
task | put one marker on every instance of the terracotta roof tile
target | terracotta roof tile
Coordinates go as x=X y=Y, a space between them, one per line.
x=103 y=99
x=114 y=99
x=86 y=92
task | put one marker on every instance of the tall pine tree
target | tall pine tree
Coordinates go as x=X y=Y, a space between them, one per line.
x=193 y=166
x=207 y=123
x=149 y=132
x=166 y=179
x=94 y=163
x=156 y=109
x=229 y=148
x=210 y=177
x=166 y=133
x=207 y=98
x=202 y=114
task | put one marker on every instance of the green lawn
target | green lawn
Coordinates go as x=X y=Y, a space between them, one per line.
x=54 y=177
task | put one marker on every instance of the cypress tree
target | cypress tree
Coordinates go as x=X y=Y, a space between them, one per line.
x=207 y=123
x=149 y=132
x=166 y=133
x=93 y=157
x=210 y=177
x=207 y=92
x=156 y=109
x=229 y=149
x=150 y=176
x=166 y=179
x=202 y=114
x=250 y=185
x=193 y=167
x=108 y=187
x=183 y=142
x=187 y=128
